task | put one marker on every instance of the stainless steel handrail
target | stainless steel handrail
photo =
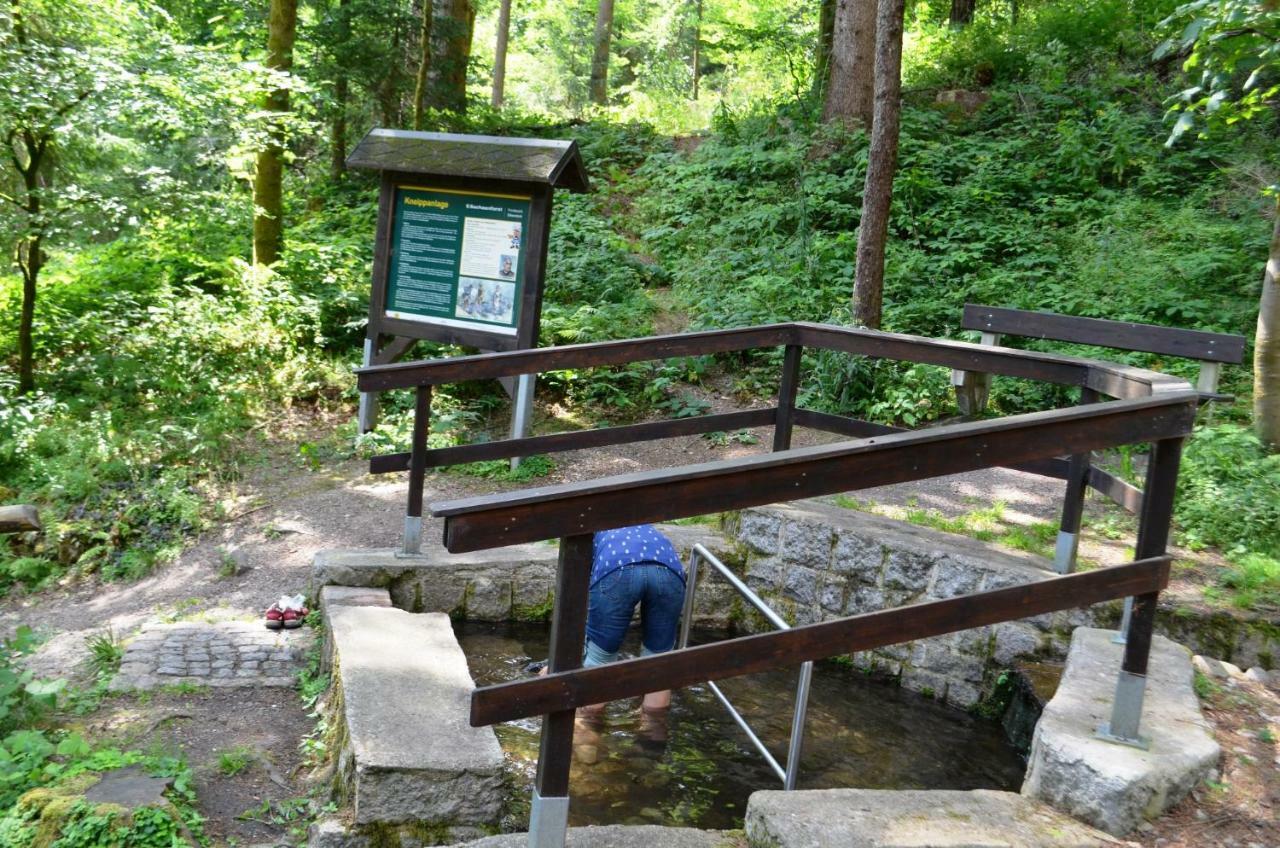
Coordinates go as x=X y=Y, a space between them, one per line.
x=786 y=774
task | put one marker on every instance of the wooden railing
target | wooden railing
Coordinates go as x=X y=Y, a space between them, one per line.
x=1147 y=407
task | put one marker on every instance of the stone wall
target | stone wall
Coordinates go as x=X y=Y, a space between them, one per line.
x=813 y=561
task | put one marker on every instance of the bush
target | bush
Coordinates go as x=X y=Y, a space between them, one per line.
x=1229 y=492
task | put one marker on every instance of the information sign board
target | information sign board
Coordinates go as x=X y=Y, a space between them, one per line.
x=457 y=258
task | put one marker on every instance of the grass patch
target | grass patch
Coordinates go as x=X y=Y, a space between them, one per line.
x=233 y=761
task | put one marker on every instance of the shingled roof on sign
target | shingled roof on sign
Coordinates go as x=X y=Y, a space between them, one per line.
x=529 y=160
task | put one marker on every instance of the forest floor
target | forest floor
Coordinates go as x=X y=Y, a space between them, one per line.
x=285 y=510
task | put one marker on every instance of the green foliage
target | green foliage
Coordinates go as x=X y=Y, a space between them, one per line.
x=105 y=652
x=1251 y=582
x=1229 y=492
x=1232 y=50
x=530 y=468
x=235 y=760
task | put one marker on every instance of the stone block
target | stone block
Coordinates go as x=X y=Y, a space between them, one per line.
x=878 y=818
x=618 y=836
x=1115 y=787
x=961 y=695
x=765 y=573
x=807 y=543
x=1014 y=640
x=801 y=585
x=952 y=579
x=412 y=755
x=858 y=555
x=865 y=599
x=489 y=599
x=832 y=598
x=353 y=596
x=760 y=530
x=907 y=570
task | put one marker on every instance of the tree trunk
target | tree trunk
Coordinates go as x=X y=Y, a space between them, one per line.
x=882 y=159
x=962 y=12
x=600 y=60
x=268 y=226
x=851 y=85
x=500 y=52
x=822 y=57
x=341 y=91
x=1266 y=349
x=424 y=65
x=450 y=54
x=31 y=260
x=697 y=49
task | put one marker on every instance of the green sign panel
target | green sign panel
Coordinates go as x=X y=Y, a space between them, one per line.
x=457 y=258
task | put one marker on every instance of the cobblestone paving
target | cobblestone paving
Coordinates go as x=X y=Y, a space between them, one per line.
x=231 y=653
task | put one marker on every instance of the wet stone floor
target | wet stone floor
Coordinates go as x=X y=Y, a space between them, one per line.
x=694 y=767
x=228 y=653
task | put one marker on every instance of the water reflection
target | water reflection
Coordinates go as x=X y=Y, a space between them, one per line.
x=692 y=766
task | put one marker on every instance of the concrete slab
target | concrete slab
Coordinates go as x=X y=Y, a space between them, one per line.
x=1116 y=787
x=410 y=754
x=622 y=836
x=353 y=596
x=875 y=818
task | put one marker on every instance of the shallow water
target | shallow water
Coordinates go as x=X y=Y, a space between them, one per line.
x=697 y=768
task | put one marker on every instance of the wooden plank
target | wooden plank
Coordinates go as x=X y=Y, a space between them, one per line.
x=19 y=518
x=963 y=356
x=787 y=387
x=1120 y=491
x=568 y=634
x=1118 y=335
x=417 y=463
x=556 y=442
x=829 y=423
x=597 y=354
x=547 y=512
x=787 y=648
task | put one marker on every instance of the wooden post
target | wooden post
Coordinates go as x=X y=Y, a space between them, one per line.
x=787 y=397
x=417 y=471
x=549 y=816
x=974 y=387
x=1064 y=555
x=1153 y=539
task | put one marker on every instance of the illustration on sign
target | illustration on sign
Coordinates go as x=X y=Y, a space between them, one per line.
x=457 y=258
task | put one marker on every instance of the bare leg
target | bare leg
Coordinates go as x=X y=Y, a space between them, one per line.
x=655 y=701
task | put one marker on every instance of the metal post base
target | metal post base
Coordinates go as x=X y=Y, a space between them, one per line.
x=367 y=417
x=1064 y=553
x=548 y=821
x=521 y=411
x=412 y=536
x=1126 y=712
x=1122 y=635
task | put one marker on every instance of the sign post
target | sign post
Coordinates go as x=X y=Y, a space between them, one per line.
x=461 y=246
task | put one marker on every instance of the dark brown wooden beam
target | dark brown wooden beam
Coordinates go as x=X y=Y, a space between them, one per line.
x=594 y=355
x=1117 y=335
x=557 y=442
x=20 y=518
x=788 y=648
x=1119 y=491
x=554 y=511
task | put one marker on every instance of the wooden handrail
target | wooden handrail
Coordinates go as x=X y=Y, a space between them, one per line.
x=1117 y=335
x=549 y=512
x=567 y=690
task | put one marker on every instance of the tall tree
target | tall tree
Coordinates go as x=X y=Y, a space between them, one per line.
x=600 y=58
x=424 y=65
x=341 y=93
x=48 y=79
x=268 y=215
x=882 y=161
x=500 y=53
x=822 y=56
x=962 y=12
x=697 y=46
x=1223 y=41
x=450 y=54
x=851 y=82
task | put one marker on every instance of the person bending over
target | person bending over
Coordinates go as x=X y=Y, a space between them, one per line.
x=630 y=566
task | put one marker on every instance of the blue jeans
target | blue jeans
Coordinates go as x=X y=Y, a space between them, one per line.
x=660 y=593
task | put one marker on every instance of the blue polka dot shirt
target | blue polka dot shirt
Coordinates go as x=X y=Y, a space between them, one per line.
x=642 y=543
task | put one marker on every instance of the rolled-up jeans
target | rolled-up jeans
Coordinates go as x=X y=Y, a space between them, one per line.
x=660 y=593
